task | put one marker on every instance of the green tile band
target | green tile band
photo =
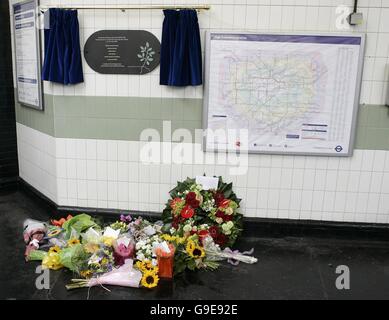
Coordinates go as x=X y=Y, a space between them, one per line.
x=124 y=118
x=41 y=121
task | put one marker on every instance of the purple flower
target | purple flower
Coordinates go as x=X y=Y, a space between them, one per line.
x=126 y=219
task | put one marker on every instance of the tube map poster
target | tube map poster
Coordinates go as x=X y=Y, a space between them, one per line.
x=296 y=94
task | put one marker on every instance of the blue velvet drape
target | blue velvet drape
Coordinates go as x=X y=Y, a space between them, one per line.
x=181 y=61
x=63 y=63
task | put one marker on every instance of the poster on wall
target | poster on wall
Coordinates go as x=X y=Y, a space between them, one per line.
x=292 y=93
x=27 y=54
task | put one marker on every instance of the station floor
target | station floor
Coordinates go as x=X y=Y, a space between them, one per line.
x=287 y=268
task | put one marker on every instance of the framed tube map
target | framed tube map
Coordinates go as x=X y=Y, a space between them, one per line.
x=291 y=93
x=27 y=54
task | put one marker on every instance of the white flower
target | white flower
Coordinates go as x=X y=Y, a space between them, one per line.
x=172 y=230
x=229 y=211
x=154 y=262
x=219 y=220
x=139 y=245
x=194 y=229
x=140 y=256
x=187 y=228
x=227 y=227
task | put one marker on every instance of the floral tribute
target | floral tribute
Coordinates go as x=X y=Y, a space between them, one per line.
x=192 y=210
x=197 y=228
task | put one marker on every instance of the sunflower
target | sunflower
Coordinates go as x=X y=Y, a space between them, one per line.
x=195 y=252
x=55 y=249
x=149 y=279
x=54 y=233
x=73 y=242
x=146 y=266
x=190 y=246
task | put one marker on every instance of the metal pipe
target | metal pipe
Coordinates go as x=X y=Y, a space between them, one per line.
x=355 y=6
x=129 y=7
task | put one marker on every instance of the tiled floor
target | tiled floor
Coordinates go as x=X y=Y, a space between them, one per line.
x=288 y=268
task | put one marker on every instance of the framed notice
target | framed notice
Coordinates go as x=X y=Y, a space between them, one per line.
x=27 y=54
x=292 y=93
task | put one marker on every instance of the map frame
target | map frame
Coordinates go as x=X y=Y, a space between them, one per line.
x=356 y=104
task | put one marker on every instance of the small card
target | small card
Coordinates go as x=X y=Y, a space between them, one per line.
x=208 y=183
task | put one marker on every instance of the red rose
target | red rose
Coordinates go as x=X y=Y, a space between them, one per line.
x=220 y=214
x=227 y=218
x=191 y=200
x=187 y=212
x=203 y=234
x=218 y=197
x=214 y=231
x=221 y=239
x=176 y=222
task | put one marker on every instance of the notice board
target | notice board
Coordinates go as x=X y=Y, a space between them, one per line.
x=293 y=93
x=27 y=54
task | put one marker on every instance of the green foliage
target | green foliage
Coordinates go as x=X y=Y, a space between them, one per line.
x=37 y=255
x=79 y=224
x=74 y=258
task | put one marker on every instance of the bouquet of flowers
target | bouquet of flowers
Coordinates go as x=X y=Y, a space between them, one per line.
x=198 y=228
x=193 y=210
x=125 y=276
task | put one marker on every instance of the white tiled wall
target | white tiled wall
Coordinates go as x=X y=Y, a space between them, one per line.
x=108 y=174
x=243 y=15
x=37 y=160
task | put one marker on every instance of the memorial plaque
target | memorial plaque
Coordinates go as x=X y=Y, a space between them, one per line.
x=122 y=52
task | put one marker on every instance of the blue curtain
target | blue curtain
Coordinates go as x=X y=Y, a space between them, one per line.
x=181 y=61
x=63 y=63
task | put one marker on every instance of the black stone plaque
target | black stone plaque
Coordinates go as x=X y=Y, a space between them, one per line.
x=122 y=51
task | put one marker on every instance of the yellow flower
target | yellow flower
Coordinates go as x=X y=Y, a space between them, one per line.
x=86 y=274
x=55 y=249
x=73 y=242
x=180 y=240
x=54 y=233
x=149 y=280
x=195 y=252
x=52 y=261
x=108 y=241
x=167 y=237
x=190 y=246
x=145 y=266
x=91 y=247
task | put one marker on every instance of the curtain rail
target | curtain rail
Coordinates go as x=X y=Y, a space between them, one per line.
x=130 y=7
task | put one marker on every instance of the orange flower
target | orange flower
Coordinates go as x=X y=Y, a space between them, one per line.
x=175 y=202
x=60 y=222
